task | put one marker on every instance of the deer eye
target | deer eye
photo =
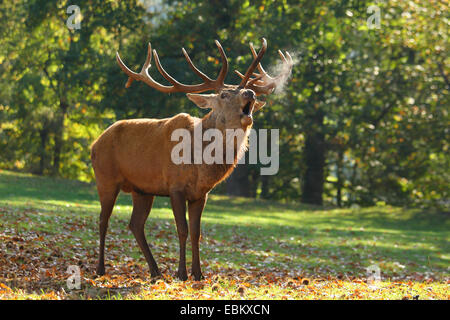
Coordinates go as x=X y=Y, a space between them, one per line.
x=224 y=95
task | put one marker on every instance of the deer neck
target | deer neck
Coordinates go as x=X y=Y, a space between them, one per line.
x=213 y=121
x=217 y=121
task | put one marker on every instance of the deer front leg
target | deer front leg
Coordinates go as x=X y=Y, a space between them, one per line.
x=195 y=214
x=178 y=202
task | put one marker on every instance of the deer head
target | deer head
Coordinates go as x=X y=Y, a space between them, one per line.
x=232 y=105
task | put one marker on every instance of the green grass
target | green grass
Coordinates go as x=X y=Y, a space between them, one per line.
x=249 y=248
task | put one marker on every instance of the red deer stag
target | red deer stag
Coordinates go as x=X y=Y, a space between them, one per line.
x=135 y=155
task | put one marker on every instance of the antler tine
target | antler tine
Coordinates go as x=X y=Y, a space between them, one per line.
x=253 y=81
x=254 y=64
x=143 y=75
x=131 y=74
x=144 y=67
x=291 y=62
x=148 y=59
x=194 y=68
x=224 y=70
x=254 y=74
x=260 y=68
x=164 y=72
x=266 y=84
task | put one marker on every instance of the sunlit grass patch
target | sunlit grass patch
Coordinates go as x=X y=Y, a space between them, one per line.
x=250 y=249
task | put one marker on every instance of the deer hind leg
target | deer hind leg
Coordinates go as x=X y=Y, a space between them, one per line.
x=142 y=204
x=195 y=214
x=178 y=202
x=107 y=200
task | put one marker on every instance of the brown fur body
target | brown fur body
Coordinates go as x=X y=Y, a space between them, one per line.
x=135 y=155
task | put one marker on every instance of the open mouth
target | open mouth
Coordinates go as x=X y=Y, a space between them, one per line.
x=247 y=110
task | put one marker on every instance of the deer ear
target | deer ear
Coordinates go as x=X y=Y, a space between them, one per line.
x=203 y=101
x=258 y=105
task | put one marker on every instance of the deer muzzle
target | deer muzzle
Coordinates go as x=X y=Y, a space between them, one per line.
x=246 y=116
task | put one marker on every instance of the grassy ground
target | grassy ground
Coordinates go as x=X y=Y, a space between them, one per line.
x=251 y=249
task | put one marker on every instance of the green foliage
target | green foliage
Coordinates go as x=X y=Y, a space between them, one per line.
x=56 y=75
x=363 y=120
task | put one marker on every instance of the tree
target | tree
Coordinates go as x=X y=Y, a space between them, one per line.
x=59 y=70
x=362 y=120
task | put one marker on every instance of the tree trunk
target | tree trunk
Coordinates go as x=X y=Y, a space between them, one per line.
x=313 y=180
x=265 y=187
x=238 y=184
x=43 y=134
x=254 y=181
x=339 y=184
x=59 y=134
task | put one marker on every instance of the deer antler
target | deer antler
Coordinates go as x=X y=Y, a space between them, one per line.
x=255 y=63
x=208 y=83
x=262 y=83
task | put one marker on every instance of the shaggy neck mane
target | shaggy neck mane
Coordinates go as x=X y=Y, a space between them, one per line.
x=211 y=121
